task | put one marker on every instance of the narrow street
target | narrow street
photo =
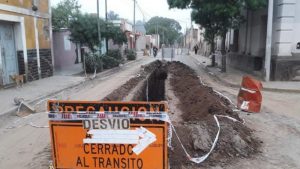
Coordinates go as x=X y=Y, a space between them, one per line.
x=25 y=142
x=139 y=84
x=25 y=146
x=278 y=124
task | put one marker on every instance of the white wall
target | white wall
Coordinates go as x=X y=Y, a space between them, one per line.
x=296 y=30
x=283 y=27
x=141 y=43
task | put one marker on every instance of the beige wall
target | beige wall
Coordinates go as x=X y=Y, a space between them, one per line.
x=42 y=4
x=42 y=23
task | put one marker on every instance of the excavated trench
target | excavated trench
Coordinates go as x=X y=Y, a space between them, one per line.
x=192 y=109
x=153 y=87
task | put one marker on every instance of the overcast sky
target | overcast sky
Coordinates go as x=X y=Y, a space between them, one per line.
x=124 y=8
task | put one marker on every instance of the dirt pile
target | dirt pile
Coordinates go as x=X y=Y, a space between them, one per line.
x=198 y=104
x=198 y=129
x=197 y=101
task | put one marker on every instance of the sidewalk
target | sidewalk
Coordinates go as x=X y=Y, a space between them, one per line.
x=233 y=77
x=36 y=90
x=32 y=91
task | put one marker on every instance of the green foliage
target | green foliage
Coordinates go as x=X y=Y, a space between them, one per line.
x=131 y=55
x=116 y=54
x=84 y=29
x=181 y=4
x=93 y=61
x=217 y=16
x=255 y=4
x=110 y=62
x=168 y=29
x=116 y=34
x=111 y=59
x=63 y=13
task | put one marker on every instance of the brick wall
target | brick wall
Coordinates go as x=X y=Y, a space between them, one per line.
x=46 y=64
x=20 y=55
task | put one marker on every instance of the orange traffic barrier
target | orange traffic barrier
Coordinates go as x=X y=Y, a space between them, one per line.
x=250 y=97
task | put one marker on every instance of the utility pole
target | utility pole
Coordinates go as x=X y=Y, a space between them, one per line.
x=106 y=10
x=99 y=35
x=269 y=41
x=99 y=29
x=163 y=37
x=106 y=40
x=134 y=3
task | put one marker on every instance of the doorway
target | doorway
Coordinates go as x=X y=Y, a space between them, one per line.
x=8 y=52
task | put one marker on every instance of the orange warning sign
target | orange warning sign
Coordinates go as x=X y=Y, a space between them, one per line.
x=108 y=135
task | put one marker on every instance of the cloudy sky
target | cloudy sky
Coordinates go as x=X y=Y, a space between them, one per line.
x=145 y=9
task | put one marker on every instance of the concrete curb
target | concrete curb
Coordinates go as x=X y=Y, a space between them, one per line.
x=268 y=89
x=99 y=75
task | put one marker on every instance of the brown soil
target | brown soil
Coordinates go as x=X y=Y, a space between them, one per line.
x=197 y=129
x=199 y=103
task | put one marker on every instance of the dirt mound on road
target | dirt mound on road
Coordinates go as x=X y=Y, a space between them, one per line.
x=197 y=101
x=199 y=104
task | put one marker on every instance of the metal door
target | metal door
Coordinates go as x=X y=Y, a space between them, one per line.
x=8 y=52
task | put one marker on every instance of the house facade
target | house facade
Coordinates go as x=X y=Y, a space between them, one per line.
x=127 y=28
x=67 y=54
x=246 y=46
x=25 y=33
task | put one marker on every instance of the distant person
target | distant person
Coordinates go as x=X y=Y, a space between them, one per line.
x=155 y=49
x=151 y=46
x=196 y=48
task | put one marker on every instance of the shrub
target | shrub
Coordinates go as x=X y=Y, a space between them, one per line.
x=115 y=54
x=92 y=62
x=109 y=62
x=131 y=55
x=111 y=59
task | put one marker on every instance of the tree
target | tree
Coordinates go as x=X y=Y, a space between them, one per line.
x=84 y=29
x=63 y=13
x=116 y=34
x=218 y=16
x=168 y=29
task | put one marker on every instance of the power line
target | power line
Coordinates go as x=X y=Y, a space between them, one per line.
x=144 y=13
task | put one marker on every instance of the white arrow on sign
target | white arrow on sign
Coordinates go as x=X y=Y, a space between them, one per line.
x=140 y=136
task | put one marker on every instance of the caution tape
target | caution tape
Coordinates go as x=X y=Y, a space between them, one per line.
x=36 y=126
x=201 y=159
x=220 y=94
x=163 y=116
x=82 y=115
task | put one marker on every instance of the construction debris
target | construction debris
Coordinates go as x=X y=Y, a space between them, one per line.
x=24 y=109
